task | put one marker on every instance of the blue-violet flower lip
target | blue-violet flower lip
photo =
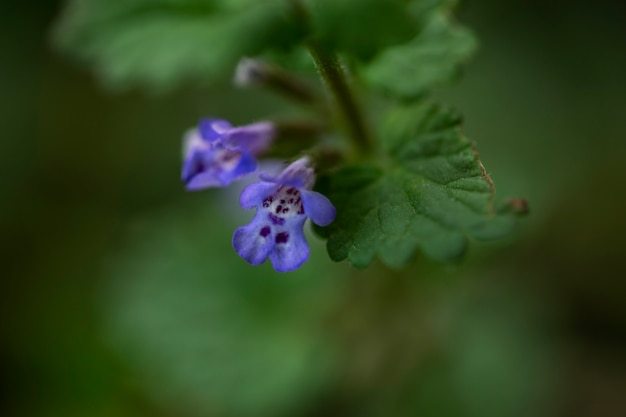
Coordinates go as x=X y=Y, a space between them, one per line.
x=217 y=154
x=283 y=204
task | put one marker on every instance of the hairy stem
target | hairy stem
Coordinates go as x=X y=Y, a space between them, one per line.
x=333 y=74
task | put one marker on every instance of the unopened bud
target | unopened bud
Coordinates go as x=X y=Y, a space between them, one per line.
x=255 y=72
x=251 y=72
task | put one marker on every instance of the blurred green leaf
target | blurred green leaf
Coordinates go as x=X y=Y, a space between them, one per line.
x=422 y=10
x=431 y=194
x=433 y=58
x=159 y=43
x=211 y=335
x=361 y=27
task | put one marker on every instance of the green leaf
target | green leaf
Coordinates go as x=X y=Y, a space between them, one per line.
x=160 y=43
x=433 y=58
x=361 y=27
x=431 y=194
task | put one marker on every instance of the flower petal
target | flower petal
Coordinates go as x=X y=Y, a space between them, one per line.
x=213 y=129
x=298 y=174
x=255 y=241
x=292 y=182
x=256 y=138
x=192 y=165
x=192 y=141
x=319 y=208
x=291 y=249
x=203 y=180
x=234 y=164
x=216 y=167
x=253 y=194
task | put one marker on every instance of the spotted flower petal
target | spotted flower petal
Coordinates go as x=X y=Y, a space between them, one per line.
x=254 y=194
x=283 y=204
x=291 y=249
x=255 y=241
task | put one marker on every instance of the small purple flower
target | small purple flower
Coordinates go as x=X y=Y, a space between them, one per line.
x=283 y=204
x=216 y=153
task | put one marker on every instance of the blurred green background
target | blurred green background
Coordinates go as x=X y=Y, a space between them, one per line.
x=121 y=295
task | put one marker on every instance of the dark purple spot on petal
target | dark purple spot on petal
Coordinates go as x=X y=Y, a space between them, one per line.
x=286 y=210
x=279 y=209
x=301 y=211
x=290 y=191
x=227 y=157
x=265 y=231
x=282 y=201
x=276 y=220
x=291 y=201
x=282 y=237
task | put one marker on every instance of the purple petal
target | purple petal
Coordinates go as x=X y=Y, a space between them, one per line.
x=299 y=171
x=191 y=166
x=236 y=165
x=298 y=174
x=254 y=194
x=203 y=180
x=216 y=167
x=213 y=129
x=319 y=208
x=256 y=138
x=291 y=249
x=292 y=182
x=255 y=241
x=192 y=141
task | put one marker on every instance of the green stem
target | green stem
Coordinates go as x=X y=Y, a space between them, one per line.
x=335 y=79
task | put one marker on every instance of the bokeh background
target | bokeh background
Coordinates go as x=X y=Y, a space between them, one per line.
x=121 y=296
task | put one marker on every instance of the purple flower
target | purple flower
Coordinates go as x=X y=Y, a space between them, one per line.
x=216 y=153
x=283 y=204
